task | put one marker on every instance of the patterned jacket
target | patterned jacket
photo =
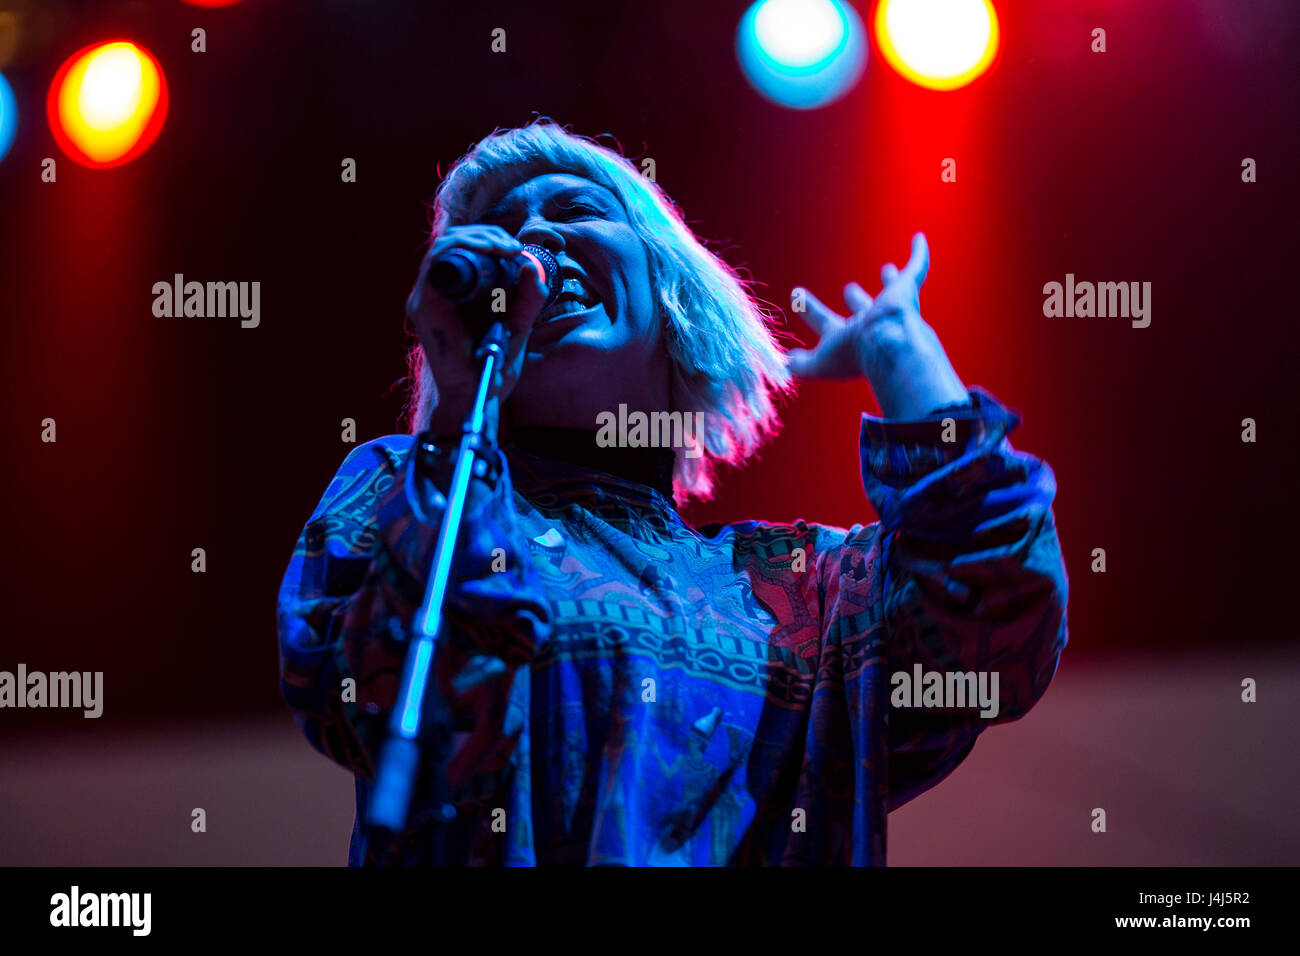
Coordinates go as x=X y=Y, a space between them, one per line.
x=724 y=694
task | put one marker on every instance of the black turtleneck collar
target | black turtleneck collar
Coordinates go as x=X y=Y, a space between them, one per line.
x=652 y=467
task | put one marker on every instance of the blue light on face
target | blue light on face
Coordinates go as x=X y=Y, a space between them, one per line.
x=8 y=116
x=801 y=53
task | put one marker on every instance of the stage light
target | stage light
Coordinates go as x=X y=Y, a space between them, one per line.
x=9 y=34
x=939 y=44
x=107 y=104
x=211 y=3
x=801 y=53
x=8 y=116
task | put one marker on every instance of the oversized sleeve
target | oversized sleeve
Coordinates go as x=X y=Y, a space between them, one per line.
x=966 y=579
x=357 y=575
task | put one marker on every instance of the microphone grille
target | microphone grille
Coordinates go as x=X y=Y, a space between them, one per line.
x=554 y=282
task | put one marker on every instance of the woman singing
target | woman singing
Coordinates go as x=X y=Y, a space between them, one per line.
x=637 y=691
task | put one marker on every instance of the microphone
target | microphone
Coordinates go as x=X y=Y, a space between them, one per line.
x=468 y=277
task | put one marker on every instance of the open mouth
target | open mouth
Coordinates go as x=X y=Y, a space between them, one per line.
x=576 y=296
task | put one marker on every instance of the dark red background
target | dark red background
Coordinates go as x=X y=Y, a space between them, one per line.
x=175 y=433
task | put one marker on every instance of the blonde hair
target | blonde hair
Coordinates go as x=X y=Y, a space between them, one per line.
x=722 y=344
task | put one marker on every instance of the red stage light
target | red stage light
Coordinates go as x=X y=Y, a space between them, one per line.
x=107 y=103
x=938 y=44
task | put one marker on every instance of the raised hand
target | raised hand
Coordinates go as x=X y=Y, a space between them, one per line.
x=884 y=339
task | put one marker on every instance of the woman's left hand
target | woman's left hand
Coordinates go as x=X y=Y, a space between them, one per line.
x=884 y=339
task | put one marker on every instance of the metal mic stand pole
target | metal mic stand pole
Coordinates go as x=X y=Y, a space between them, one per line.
x=420 y=727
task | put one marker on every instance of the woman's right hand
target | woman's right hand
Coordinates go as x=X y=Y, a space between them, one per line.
x=449 y=346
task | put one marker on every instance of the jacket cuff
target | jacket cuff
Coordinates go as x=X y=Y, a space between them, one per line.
x=898 y=453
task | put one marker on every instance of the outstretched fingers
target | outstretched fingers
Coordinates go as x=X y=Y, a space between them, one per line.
x=819 y=317
x=918 y=266
x=856 y=298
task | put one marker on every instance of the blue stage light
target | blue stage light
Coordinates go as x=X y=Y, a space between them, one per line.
x=8 y=116
x=801 y=53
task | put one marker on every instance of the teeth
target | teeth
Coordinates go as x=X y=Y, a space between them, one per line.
x=564 y=307
x=575 y=296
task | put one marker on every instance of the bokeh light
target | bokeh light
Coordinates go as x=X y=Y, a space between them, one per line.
x=9 y=36
x=939 y=44
x=801 y=53
x=107 y=104
x=8 y=116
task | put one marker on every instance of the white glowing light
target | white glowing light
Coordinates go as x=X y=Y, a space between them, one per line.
x=798 y=33
x=942 y=44
x=801 y=53
x=110 y=93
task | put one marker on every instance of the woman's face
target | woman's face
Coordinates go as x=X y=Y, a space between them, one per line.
x=601 y=344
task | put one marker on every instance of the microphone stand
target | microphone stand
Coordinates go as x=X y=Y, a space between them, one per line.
x=419 y=730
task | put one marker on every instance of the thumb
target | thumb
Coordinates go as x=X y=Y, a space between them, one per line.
x=800 y=362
